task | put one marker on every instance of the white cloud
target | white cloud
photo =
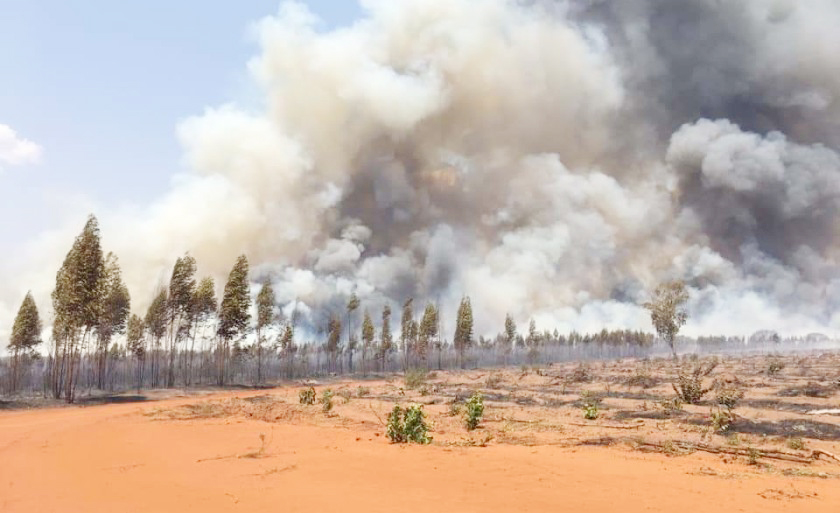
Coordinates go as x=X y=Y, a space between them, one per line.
x=15 y=150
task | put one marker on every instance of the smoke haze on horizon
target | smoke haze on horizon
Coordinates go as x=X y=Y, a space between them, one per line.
x=550 y=159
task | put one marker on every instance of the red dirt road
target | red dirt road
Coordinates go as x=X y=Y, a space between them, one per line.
x=114 y=459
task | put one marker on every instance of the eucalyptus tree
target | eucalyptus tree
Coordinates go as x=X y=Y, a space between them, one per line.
x=408 y=330
x=77 y=304
x=134 y=341
x=386 y=340
x=26 y=335
x=286 y=345
x=266 y=318
x=333 y=340
x=113 y=313
x=182 y=287
x=463 y=338
x=352 y=305
x=234 y=312
x=667 y=313
x=428 y=332
x=509 y=338
x=203 y=306
x=155 y=322
x=368 y=335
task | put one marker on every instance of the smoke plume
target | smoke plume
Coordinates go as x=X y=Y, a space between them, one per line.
x=554 y=160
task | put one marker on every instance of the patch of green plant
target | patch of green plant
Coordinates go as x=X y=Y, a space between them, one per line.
x=307 y=396
x=415 y=378
x=671 y=406
x=493 y=380
x=796 y=443
x=721 y=419
x=728 y=396
x=591 y=405
x=752 y=455
x=775 y=366
x=326 y=400
x=408 y=425
x=345 y=394
x=689 y=386
x=363 y=391
x=581 y=374
x=642 y=379
x=733 y=440
x=474 y=411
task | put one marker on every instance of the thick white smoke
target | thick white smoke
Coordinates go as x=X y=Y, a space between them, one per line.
x=553 y=160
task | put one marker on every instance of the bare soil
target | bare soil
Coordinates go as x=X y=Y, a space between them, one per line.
x=263 y=451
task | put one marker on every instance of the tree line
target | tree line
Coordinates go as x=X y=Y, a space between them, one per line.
x=188 y=336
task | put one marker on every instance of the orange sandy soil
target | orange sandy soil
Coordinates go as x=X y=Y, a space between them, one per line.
x=204 y=453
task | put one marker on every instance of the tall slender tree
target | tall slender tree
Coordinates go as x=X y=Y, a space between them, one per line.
x=113 y=313
x=510 y=337
x=134 y=344
x=386 y=341
x=202 y=307
x=77 y=303
x=333 y=340
x=408 y=330
x=234 y=312
x=428 y=332
x=26 y=335
x=463 y=329
x=155 y=323
x=352 y=305
x=368 y=335
x=266 y=318
x=181 y=291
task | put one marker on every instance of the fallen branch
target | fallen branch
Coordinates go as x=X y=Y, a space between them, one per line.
x=637 y=426
x=824 y=412
x=816 y=453
x=672 y=445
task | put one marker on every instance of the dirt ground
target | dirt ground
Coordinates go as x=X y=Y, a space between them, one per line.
x=534 y=451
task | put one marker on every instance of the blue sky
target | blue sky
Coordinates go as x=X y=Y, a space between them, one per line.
x=101 y=85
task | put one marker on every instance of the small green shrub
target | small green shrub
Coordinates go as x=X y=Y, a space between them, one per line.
x=493 y=380
x=408 y=425
x=363 y=391
x=415 y=378
x=775 y=366
x=591 y=405
x=689 y=386
x=475 y=411
x=581 y=374
x=721 y=419
x=796 y=443
x=326 y=400
x=753 y=455
x=671 y=406
x=728 y=396
x=642 y=379
x=307 y=396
